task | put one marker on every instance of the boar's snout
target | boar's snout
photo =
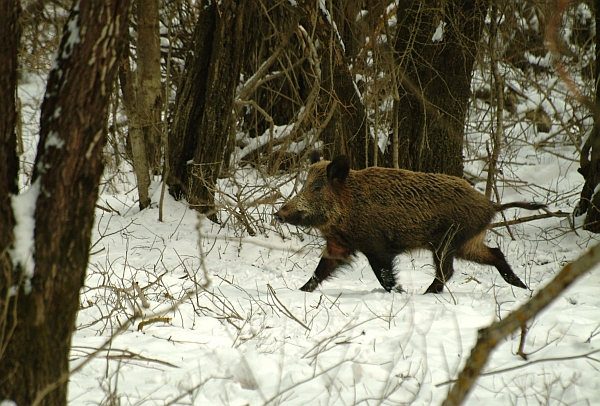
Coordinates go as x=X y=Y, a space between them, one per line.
x=279 y=217
x=288 y=215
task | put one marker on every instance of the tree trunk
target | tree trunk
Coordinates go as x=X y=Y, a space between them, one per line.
x=347 y=131
x=589 y=202
x=435 y=51
x=142 y=96
x=10 y=32
x=137 y=142
x=189 y=103
x=202 y=124
x=35 y=364
x=149 y=101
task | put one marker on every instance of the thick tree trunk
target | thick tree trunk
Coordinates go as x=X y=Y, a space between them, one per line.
x=435 y=51
x=189 y=103
x=202 y=125
x=10 y=32
x=347 y=131
x=589 y=202
x=274 y=46
x=35 y=364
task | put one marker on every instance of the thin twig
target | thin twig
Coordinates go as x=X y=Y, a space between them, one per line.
x=284 y=309
x=529 y=218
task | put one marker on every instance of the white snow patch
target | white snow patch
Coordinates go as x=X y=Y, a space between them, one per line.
x=73 y=32
x=438 y=35
x=21 y=253
x=325 y=12
x=583 y=13
x=54 y=140
x=254 y=143
x=542 y=61
x=382 y=138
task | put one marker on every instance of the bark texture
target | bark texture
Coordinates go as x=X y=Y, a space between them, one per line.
x=201 y=133
x=10 y=33
x=149 y=91
x=435 y=52
x=347 y=131
x=142 y=96
x=589 y=202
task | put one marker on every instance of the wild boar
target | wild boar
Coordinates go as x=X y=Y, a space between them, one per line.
x=384 y=212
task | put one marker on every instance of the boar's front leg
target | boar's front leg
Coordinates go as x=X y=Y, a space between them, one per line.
x=327 y=266
x=384 y=270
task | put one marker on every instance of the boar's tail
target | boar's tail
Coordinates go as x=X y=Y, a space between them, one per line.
x=522 y=205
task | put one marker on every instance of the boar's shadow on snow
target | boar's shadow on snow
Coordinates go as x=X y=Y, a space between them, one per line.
x=384 y=212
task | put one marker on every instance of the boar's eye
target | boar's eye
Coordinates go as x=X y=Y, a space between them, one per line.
x=316 y=187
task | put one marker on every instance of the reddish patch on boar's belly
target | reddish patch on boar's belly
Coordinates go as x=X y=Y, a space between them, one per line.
x=335 y=251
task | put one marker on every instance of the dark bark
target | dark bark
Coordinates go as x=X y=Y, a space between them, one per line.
x=67 y=172
x=347 y=131
x=339 y=110
x=434 y=81
x=279 y=84
x=589 y=202
x=189 y=103
x=202 y=124
x=10 y=33
x=275 y=33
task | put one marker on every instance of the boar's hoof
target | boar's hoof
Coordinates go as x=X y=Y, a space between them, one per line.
x=399 y=289
x=515 y=281
x=310 y=286
x=388 y=280
x=436 y=287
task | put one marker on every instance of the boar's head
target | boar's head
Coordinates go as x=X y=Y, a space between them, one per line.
x=320 y=201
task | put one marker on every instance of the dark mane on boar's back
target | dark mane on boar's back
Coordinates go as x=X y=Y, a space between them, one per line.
x=384 y=212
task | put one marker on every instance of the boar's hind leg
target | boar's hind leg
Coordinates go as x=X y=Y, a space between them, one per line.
x=384 y=271
x=325 y=269
x=475 y=250
x=444 y=269
x=495 y=257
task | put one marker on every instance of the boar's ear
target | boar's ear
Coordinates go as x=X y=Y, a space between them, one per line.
x=315 y=156
x=338 y=169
